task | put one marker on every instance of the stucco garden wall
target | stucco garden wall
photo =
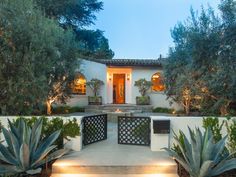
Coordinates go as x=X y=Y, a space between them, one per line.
x=158 y=99
x=159 y=141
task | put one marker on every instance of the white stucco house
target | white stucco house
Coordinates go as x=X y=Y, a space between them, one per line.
x=119 y=76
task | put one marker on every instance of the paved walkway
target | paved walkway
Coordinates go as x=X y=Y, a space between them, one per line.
x=109 y=152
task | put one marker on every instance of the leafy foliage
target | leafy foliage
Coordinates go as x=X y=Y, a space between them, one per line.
x=78 y=15
x=93 y=44
x=71 y=129
x=143 y=86
x=95 y=85
x=74 y=13
x=163 y=110
x=40 y=42
x=37 y=58
x=26 y=151
x=66 y=109
x=200 y=71
x=201 y=155
x=214 y=125
x=231 y=128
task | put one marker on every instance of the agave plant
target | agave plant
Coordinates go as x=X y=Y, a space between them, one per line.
x=201 y=156
x=25 y=151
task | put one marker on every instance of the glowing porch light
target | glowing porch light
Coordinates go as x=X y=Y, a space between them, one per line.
x=118 y=111
x=128 y=77
x=174 y=112
x=109 y=76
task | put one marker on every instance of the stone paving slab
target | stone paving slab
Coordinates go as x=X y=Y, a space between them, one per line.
x=110 y=153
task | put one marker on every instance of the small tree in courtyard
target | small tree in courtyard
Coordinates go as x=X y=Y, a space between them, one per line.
x=95 y=85
x=143 y=86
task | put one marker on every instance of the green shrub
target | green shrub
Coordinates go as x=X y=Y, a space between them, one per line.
x=66 y=109
x=231 y=128
x=163 y=110
x=214 y=125
x=71 y=129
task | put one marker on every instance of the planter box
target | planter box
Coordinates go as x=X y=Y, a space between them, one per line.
x=95 y=100
x=74 y=143
x=143 y=100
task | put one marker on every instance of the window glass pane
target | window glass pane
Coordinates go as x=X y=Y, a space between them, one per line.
x=157 y=82
x=78 y=86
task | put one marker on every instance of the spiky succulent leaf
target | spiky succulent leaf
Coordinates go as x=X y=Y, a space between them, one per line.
x=205 y=168
x=34 y=171
x=35 y=134
x=178 y=158
x=45 y=145
x=202 y=157
x=55 y=155
x=223 y=166
x=8 y=139
x=6 y=169
x=24 y=152
x=9 y=158
x=24 y=156
x=14 y=130
x=43 y=155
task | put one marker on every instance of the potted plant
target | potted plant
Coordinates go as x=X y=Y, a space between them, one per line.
x=143 y=86
x=95 y=85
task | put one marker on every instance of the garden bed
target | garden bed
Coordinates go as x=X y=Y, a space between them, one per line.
x=183 y=173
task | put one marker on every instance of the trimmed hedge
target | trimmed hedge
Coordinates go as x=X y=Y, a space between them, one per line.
x=66 y=109
x=163 y=110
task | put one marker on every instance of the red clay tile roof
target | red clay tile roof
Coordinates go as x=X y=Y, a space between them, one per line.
x=131 y=62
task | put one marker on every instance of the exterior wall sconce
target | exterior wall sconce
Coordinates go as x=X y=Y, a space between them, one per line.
x=128 y=77
x=110 y=77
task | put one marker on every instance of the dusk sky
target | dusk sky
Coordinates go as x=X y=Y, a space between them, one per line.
x=141 y=28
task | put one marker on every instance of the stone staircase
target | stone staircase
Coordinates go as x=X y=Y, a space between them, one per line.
x=122 y=107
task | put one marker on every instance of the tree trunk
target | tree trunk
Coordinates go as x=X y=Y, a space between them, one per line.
x=187 y=107
x=49 y=107
x=187 y=110
x=224 y=109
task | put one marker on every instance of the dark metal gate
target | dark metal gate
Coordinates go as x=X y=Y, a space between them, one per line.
x=94 y=128
x=134 y=130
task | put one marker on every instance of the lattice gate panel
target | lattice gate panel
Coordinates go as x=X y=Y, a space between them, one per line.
x=94 y=128
x=134 y=130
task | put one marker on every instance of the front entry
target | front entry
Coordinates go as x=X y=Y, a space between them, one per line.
x=119 y=88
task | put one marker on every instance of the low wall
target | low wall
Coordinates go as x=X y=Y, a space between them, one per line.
x=159 y=141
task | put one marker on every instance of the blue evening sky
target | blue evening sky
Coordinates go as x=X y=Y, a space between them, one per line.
x=141 y=28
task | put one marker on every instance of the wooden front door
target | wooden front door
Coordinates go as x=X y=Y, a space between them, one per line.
x=119 y=88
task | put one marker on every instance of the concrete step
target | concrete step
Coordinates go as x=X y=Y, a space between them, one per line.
x=114 y=107
x=113 y=175
x=153 y=169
